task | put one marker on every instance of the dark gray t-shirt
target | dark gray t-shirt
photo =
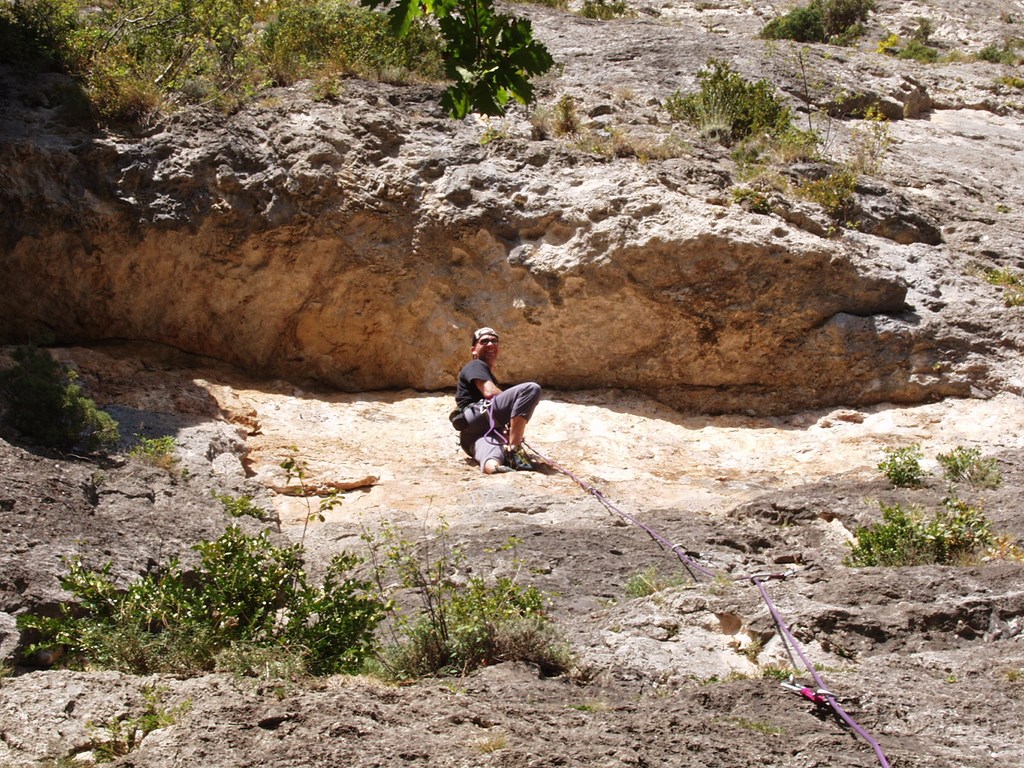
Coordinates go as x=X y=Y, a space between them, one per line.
x=466 y=392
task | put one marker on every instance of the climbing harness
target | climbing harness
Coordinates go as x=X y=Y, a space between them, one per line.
x=820 y=696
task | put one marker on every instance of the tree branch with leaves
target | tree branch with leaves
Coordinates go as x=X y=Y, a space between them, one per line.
x=490 y=58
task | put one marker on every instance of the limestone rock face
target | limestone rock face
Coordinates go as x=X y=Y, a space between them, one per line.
x=359 y=242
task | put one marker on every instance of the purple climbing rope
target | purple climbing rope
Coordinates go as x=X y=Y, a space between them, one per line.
x=822 y=696
x=690 y=564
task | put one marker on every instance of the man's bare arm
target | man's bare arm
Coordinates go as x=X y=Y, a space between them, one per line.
x=487 y=388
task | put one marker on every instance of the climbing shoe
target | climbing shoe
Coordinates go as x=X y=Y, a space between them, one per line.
x=517 y=459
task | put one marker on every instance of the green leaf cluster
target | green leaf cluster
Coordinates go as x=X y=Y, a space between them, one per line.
x=903 y=466
x=155 y=451
x=834 y=192
x=38 y=31
x=134 y=58
x=46 y=405
x=240 y=506
x=963 y=464
x=904 y=538
x=1004 y=54
x=821 y=21
x=489 y=57
x=728 y=107
x=245 y=592
x=461 y=624
x=304 y=38
x=605 y=10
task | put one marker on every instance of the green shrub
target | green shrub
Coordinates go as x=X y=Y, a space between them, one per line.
x=871 y=142
x=821 y=21
x=605 y=9
x=834 y=193
x=45 y=405
x=967 y=465
x=38 y=32
x=752 y=200
x=903 y=466
x=996 y=54
x=845 y=18
x=728 y=108
x=478 y=624
x=246 y=592
x=134 y=59
x=158 y=451
x=240 y=506
x=305 y=37
x=916 y=49
x=923 y=31
x=459 y=625
x=953 y=536
x=803 y=24
x=919 y=51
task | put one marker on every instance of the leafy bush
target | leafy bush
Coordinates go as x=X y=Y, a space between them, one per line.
x=134 y=59
x=844 y=19
x=460 y=625
x=995 y=54
x=45 y=404
x=916 y=48
x=605 y=9
x=37 y=32
x=478 y=624
x=919 y=51
x=157 y=451
x=904 y=538
x=923 y=31
x=834 y=193
x=728 y=108
x=821 y=21
x=967 y=465
x=246 y=592
x=305 y=37
x=240 y=506
x=489 y=57
x=803 y=24
x=903 y=466
x=752 y=200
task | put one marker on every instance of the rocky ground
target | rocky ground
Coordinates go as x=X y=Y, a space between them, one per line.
x=926 y=660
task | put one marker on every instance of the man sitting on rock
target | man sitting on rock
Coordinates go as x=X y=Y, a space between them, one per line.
x=495 y=418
